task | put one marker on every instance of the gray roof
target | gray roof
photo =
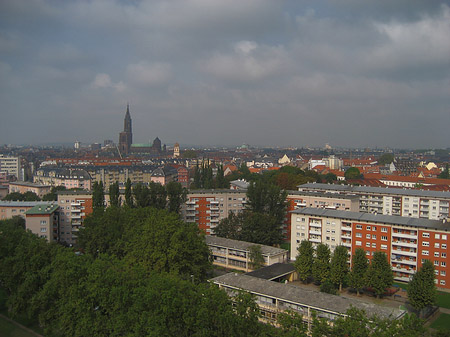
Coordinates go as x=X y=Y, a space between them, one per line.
x=273 y=271
x=295 y=294
x=242 y=245
x=324 y=195
x=377 y=190
x=70 y=192
x=4 y=203
x=242 y=184
x=379 y=218
x=29 y=184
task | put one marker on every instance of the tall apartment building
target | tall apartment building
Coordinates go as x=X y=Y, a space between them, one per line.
x=74 y=207
x=43 y=220
x=208 y=207
x=11 y=166
x=406 y=241
x=433 y=205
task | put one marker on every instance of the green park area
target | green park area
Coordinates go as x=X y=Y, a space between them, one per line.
x=442 y=322
x=442 y=298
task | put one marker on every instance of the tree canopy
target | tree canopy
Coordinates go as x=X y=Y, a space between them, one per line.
x=422 y=289
x=379 y=274
x=304 y=261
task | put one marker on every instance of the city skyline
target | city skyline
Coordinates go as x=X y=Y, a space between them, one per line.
x=265 y=73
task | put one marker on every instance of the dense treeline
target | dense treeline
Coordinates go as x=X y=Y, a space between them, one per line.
x=128 y=286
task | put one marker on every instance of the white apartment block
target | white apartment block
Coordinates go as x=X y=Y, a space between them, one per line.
x=11 y=166
x=433 y=205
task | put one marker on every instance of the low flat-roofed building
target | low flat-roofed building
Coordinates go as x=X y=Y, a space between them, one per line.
x=274 y=297
x=24 y=186
x=234 y=254
x=8 y=209
x=43 y=220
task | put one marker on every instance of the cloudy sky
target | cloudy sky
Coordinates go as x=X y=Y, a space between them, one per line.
x=214 y=72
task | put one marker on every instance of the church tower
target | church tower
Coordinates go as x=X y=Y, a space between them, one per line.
x=126 y=137
x=176 y=150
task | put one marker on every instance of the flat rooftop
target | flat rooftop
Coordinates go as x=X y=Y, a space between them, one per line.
x=379 y=218
x=377 y=190
x=242 y=245
x=44 y=209
x=299 y=295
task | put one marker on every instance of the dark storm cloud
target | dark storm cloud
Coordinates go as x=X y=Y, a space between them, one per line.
x=264 y=72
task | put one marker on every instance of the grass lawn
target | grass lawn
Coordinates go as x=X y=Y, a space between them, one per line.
x=442 y=298
x=442 y=322
x=7 y=329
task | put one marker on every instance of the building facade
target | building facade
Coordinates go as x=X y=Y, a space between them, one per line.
x=23 y=187
x=43 y=220
x=407 y=242
x=433 y=205
x=9 y=209
x=235 y=254
x=74 y=207
x=11 y=166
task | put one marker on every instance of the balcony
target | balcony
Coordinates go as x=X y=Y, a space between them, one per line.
x=346 y=236
x=214 y=208
x=214 y=220
x=315 y=231
x=402 y=252
x=346 y=244
x=404 y=244
x=76 y=216
x=190 y=203
x=317 y=240
x=403 y=270
x=75 y=204
x=315 y=224
x=214 y=202
x=404 y=235
x=75 y=210
x=405 y=261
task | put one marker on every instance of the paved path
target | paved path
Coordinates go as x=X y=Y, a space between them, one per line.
x=21 y=326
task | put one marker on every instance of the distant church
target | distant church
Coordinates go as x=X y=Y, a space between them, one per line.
x=126 y=145
x=126 y=137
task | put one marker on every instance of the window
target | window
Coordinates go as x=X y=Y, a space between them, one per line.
x=43 y=230
x=368 y=228
x=436 y=245
x=444 y=255
x=328 y=238
x=384 y=229
x=442 y=282
x=436 y=254
x=374 y=245
x=374 y=229
x=358 y=226
x=425 y=235
x=374 y=237
x=367 y=236
x=444 y=236
x=437 y=236
x=436 y=263
x=443 y=272
x=43 y=222
x=425 y=252
x=367 y=253
x=436 y=272
x=444 y=246
x=358 y=243
x=358 y=235
x=425 y=244
x=383 y=246
x=384 y=238
x=443 y=264
x=303 y=234
x=368 y=244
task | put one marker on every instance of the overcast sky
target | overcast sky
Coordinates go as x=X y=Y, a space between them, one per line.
x=227 y=72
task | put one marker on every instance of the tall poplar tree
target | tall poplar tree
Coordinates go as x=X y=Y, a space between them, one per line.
x=98 y=197
x=339 y=266
x=422 y=289
x=304 y=261
x=360 y=264
x=128 y=193
x=321 y=266
x=114 y=194
x=379 y=274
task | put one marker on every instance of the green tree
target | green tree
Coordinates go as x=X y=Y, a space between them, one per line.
x=304 y=261
x=267 y=198
x=256 y=257
x=128 y=193
x=445 y=173
x=98 y=197
x=321 y=264
x=177 y=196
x=339 y=266
x=422 y=289
x=220 y=178
x=261 y=228
x=141 y=195
x=27 y=196
x=359 y=269
x=230 y=227
x=53 y=194
x=114 y=194
x=379 y=274
x=352 y=173
x=158 y=196
x=386 y=158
